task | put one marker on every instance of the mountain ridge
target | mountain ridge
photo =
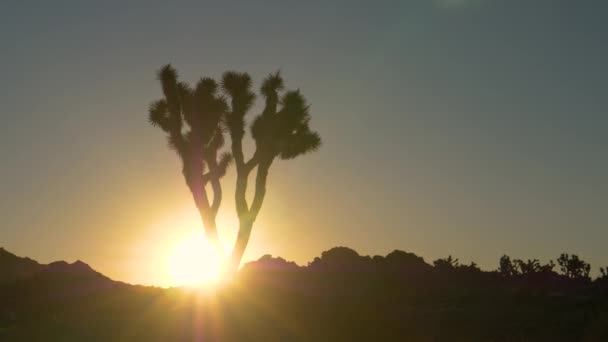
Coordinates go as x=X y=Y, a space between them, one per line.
x=340 y=295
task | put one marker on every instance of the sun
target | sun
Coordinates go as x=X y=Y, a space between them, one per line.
x=194 y=261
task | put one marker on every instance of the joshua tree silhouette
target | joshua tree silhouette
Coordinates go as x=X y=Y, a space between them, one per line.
x=281 y=131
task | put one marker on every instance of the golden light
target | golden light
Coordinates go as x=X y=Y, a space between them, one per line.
x=176 y=240
x=194 y=261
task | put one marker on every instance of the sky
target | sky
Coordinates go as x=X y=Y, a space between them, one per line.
x=466 y=127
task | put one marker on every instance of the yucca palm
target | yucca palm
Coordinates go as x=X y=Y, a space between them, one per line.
x=192 y=120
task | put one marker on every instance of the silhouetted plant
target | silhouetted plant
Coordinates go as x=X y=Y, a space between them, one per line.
x=547 y=268
x=446 y=264
x=528 y=267
x=573 y=267
x=470 y=268
x=281 y=131
x=191 y=118
x=506 y=267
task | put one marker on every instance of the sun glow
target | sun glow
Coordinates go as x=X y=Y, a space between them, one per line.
x=194 y=261
x=179 y=244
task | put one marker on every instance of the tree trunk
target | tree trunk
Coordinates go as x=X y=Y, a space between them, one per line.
x=240 y=245
x=194 y=178
x=213 y=237
x=247 y=217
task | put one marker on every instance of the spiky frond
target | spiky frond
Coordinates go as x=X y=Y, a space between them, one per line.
x=236 y=84
x=295 y=109
x=235 y=118
x=238 y=87
x=184 y=91
x=206 y=85
x=300 y=142
x=168 y=79
x=157 y=115
x=270 y=90
x=200 y=108
x=293 y=99
x=272 y=84
x=286 y=134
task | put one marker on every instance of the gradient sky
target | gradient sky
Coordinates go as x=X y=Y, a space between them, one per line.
x=465 y=127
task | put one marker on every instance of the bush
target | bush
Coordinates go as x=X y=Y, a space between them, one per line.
x=574 y=267
x=446 y=264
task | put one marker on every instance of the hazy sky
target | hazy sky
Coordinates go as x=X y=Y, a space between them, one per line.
x=464 y=127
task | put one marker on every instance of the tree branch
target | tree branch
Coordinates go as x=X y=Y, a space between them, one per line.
x=252 y=163
x=213 y=176
x=242 y=173
x=260 y=188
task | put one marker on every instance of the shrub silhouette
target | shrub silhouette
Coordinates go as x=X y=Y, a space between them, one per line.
x=573 y=267
x=528 y=267
x=506 y=267
x=470 y=268
x=446 y=264
x=547 y=268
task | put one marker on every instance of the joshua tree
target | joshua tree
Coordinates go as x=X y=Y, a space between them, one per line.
x=192 y=119
x=281 y=131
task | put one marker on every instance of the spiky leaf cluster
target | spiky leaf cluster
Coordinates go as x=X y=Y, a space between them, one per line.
x=238 y=87
x=282 y=130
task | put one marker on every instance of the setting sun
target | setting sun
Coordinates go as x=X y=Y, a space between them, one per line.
x=194 y=261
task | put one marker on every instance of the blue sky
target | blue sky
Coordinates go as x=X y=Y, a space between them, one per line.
x=471 y=128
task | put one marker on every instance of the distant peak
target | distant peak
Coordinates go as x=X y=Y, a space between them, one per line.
x=79 y=264
x=269 y=262
x=60 y=263
x=5 y=253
